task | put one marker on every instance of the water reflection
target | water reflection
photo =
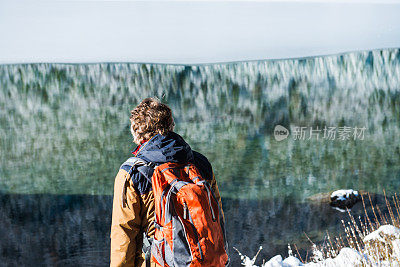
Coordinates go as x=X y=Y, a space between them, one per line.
x=64 y=133
x=73 y=230
x=62 y=126
x=54 y=230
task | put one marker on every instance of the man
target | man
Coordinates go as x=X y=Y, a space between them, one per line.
x=152 y=128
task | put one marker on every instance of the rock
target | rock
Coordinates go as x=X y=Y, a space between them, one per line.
x=344 y=198
x=320 y=197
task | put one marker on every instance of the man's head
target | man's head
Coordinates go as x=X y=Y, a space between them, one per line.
x=149 y=118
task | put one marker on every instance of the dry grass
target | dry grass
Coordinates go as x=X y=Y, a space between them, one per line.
x=381 y=251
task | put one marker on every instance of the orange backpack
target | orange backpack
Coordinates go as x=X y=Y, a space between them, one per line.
x=189 y=228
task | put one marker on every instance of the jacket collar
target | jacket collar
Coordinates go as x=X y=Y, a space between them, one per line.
x=165 y=148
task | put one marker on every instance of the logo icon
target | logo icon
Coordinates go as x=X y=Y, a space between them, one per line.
x=280 y=133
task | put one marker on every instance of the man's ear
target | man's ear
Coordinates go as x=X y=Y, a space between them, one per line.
x=135 y=140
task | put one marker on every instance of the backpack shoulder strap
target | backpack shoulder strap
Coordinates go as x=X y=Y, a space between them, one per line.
x=133 y=161
x=129 y=165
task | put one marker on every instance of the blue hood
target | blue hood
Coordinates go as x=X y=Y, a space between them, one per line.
x=161 y=149
x=169 y=148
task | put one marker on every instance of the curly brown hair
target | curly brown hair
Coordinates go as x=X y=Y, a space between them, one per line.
x=149 y=118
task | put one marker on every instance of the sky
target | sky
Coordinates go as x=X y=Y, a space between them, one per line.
x=192 y=32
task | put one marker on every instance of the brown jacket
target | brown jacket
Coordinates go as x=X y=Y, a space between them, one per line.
x=132 y=220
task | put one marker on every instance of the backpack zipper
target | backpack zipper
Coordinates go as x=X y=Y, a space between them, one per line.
x=196 y=234
x=185 y=210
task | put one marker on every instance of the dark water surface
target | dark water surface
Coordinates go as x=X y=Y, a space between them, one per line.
x=65 y=131
x=73 y=230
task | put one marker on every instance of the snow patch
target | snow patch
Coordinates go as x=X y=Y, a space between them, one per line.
x=396 y=248
x=342 y=194
x=383 y=233
x=292 y=261
x=246 y=261
x=346 y=257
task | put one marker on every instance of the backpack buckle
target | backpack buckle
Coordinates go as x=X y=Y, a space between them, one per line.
x=151 y=165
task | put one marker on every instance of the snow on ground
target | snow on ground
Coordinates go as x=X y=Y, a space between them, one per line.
x=383 y=232
x=387 y=234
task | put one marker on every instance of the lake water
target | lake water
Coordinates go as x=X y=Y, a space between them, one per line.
x=65 y=131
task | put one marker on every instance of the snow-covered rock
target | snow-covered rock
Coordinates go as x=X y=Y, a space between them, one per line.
x=383 y=234
x=343 y=194
x=274 y=262
x=348 y=257
x=292 y=261
x=344 y=198
x=277 y=261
